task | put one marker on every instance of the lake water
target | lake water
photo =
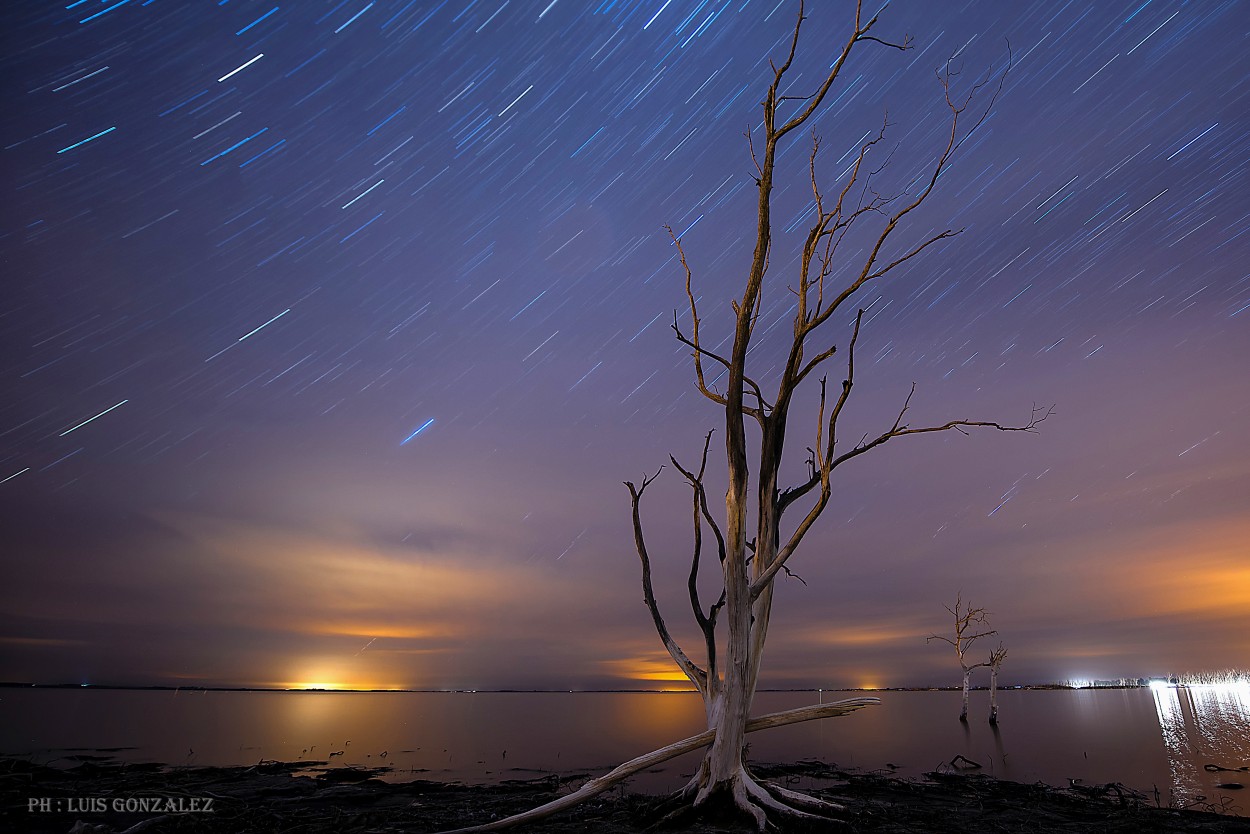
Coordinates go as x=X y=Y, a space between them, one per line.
x=1145 y=738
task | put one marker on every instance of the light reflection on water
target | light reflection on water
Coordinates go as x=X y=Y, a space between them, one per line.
x=1204 y=724
x=1143 y=738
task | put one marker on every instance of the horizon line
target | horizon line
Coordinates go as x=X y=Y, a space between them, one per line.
x=1125 y=683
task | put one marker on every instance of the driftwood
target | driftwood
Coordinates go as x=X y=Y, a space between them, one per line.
x=672 y=751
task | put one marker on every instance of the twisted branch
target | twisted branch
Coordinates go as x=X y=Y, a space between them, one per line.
x=697 y=675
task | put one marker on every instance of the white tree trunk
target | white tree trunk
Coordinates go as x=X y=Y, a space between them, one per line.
x=722 y=768
x=994 y=694
x=963 y=713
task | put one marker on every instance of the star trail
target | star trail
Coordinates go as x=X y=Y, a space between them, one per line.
x=340 y=321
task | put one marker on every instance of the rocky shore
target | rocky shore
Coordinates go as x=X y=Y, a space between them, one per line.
x=106 y=797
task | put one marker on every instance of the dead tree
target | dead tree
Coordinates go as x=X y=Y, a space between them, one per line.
x=967 y=621
x=996 y=660
x=763 y=527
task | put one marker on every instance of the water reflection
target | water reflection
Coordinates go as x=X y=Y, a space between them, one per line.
x=1147 y=739
x=1205 y=725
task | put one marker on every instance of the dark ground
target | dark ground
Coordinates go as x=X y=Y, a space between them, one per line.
x=268 y=798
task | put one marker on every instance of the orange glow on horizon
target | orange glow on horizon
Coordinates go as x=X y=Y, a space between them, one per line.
x=337 y=674
x=372 y=630
x=336 y=686
x=876 y=634
x=330 y=686
x=1199 y=573
x=649 y=670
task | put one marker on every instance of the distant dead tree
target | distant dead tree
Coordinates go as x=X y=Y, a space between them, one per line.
x=996 y=660
x=967 y=621
x=753 y=546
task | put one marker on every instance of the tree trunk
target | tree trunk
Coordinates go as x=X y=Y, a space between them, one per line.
x=722 y=777
x=994 y=694
x=963 y=713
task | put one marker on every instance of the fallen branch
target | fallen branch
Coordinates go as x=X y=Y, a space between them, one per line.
x=672 y=751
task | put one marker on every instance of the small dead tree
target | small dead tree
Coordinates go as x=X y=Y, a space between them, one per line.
x=761 y=530
x=997 y=656
x=967 y=622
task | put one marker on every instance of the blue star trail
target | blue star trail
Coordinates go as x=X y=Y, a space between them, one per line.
x=420 y=429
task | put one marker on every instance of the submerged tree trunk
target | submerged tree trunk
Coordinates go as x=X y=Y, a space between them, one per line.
x=994 y=694
x=996 y=660
x=966 y=617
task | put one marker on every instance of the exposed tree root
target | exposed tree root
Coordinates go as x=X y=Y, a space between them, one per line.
x=803 y=801
x=770 y=803
x=745 y=802
x=747 y=799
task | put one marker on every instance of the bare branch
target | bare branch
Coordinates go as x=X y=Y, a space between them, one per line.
x=715 y=397
x=902 y=47
x=707 y=622
x=754 y=159
x=794 y=45
x=870 y=271
x=692 y=582
x=793 y=575
x=820 y=469
x=965 y=618
x=814 y=101
x=697 y=675
x=700 y=352
x=747 y=309
x=694 y=316
x=898 y=430
x=958 y=425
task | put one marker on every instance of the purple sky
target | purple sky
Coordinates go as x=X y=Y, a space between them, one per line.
x=330 y=333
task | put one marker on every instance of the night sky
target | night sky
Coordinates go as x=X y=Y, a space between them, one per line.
x=329 y=333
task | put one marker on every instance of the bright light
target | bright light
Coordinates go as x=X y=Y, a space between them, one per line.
x=1158 y=683
x=316 y=686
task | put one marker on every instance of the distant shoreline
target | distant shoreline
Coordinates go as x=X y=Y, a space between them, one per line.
x=167 y=688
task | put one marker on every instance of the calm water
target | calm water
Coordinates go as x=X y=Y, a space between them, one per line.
x=1143 y=738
